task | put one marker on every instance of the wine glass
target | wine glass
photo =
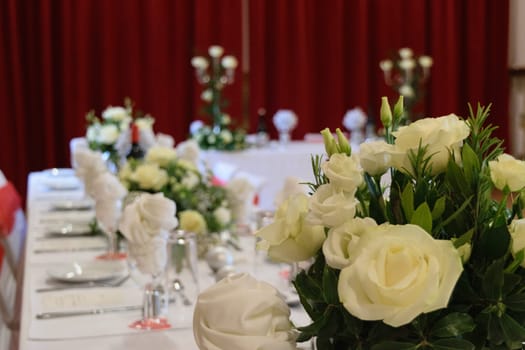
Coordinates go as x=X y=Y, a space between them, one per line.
x=108 y=214
x=150 y=259
x=285 y=121
x=182 y=278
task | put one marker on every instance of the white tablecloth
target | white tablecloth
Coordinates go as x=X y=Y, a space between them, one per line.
x=272 y=164
x=109 y=331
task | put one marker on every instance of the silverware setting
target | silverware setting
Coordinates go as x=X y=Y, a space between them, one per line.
x=68 y=250
x=178 y=287
x=91 y=284
x=96 y=311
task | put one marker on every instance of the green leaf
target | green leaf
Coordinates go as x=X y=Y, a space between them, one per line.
x=513 y=332
x=515 y=302
x=330 y=286
x=439 y=208
x=471 y=164
x=453 y=325
x=307 y=286
x=452 y=344
x=423 y=217
x=314 y=328
x=407 y=201
x=464 y=238
x=394 y=345
x=494 y=242
x=493 y=280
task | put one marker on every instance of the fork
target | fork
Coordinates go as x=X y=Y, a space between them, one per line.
x=91 y=284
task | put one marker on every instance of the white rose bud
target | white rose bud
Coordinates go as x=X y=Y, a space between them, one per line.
x=407 y=64
x=405 y=52
x=386 y=65
x=215 y=51
x=199 y=62
x=223 y=216
x=229 y=62
x=206 y=95
x=108 y=134
x=115 y=113
x=426 y=61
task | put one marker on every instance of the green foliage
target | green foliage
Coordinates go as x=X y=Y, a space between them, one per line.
x=487 y=307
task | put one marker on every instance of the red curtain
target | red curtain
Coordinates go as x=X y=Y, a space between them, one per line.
x=60 y=58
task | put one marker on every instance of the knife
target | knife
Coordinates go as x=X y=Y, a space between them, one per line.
x=97 y=311
x=67 y=250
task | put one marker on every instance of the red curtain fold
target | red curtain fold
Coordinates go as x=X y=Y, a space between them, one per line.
x=61 y=58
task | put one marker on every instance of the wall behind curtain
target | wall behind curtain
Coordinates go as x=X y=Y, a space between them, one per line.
x=61 y=58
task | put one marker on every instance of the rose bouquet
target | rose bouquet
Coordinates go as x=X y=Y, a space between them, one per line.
x=415 y=243
x=202 y=207
x=220 y=134
x=110 y=134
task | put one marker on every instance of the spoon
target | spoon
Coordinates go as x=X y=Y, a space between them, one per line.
x=179 y=288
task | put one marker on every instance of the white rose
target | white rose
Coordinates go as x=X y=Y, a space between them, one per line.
x=386 y=65
x=164 y=140
x=115 y=113
x=107 y=186
x=199 y=62
x=161 y=155
x=215 y=51
x=344 y=172
x=376 y=157
x=405 y=52
x=507 y=171
x=189 y=150
x=108 y=134
x=229 y=62
x=340 y=243
x=425 y=61
x=407 y=64
x=226 y=136
x=192 y=221
x=223 y=216
x=258 y=318
x=190 y=180
x=150 y=177
x=226 y=119
x=145 y=123
x=406 y=90
x=398 y=272
x=289 y=238
x=442 y=135
x=92 y=132
x=206 y=95
x=331 y=207
x=151 y=256
x=517 y=233
x=147 y=216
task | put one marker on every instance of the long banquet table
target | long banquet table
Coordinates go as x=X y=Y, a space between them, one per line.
x=103 y=331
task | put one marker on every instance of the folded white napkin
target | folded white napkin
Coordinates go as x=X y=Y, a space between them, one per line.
x=241 y=313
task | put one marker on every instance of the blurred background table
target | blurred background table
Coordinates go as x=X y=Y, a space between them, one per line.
x=270 y=165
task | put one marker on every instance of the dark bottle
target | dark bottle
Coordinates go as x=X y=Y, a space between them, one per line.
x=136 y=152
x=262 y=129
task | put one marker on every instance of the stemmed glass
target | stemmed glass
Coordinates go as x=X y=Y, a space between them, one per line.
x=285 y=121
x=150 y=259
x=108 y=214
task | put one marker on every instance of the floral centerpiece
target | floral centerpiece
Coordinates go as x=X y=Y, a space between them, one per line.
x=202 y=207
x=220 y=134
x=410 y=248
x=407 y=75
x=110 y=134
